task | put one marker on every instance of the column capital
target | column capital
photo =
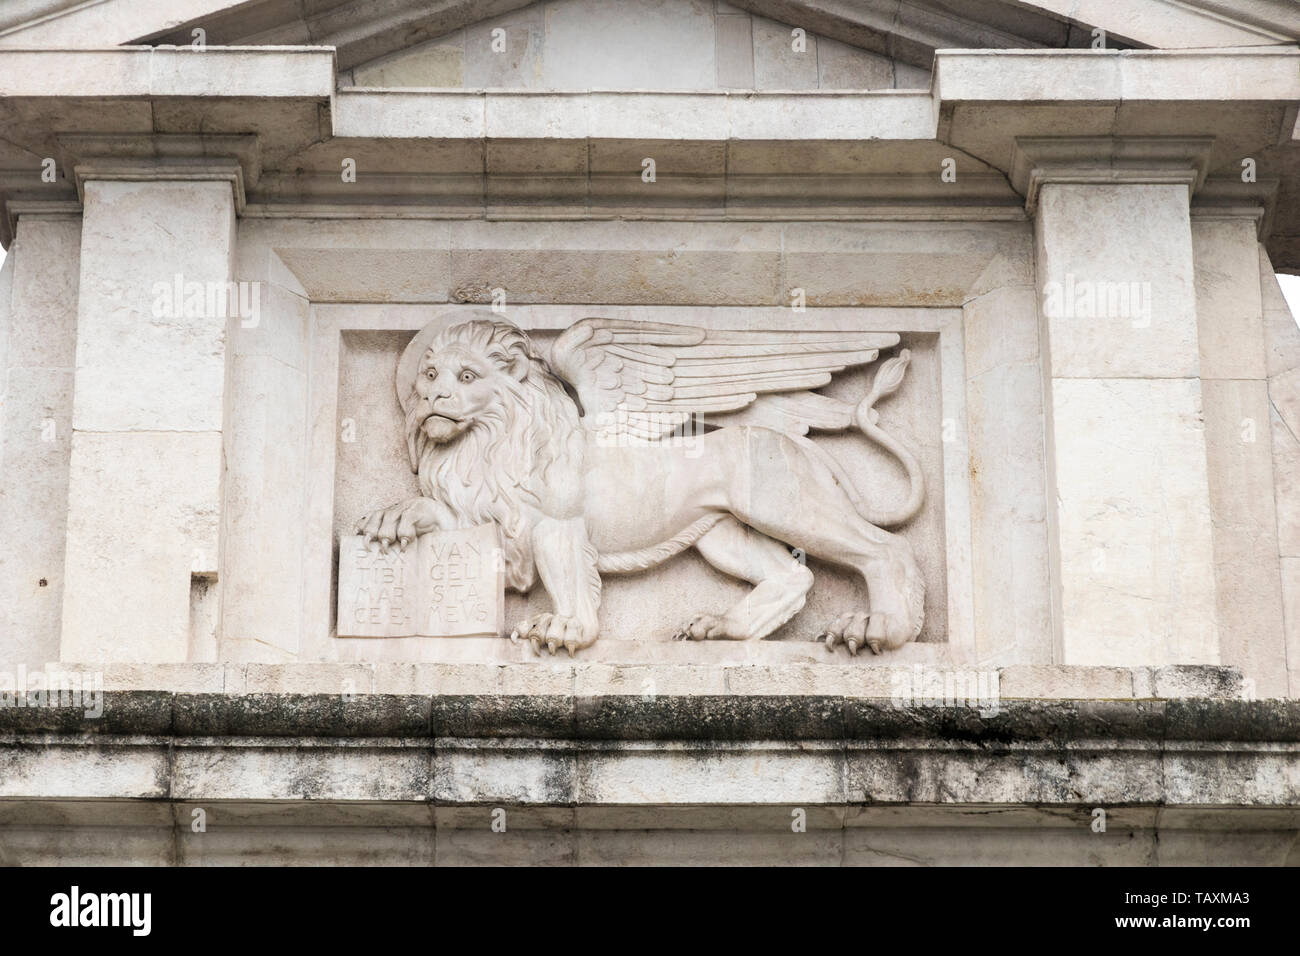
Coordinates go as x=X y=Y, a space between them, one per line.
x=235 y=158
x=232 y=158
x=35 y=209
x=1108 y=160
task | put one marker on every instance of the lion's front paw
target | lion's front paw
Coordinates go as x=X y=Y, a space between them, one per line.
x=555 y=630
x=398 y=524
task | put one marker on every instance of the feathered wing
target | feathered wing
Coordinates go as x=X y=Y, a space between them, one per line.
x=645 y=379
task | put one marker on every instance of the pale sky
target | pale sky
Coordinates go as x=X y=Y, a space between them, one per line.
x=1290 y=289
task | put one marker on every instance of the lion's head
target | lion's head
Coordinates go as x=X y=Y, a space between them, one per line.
x=486 y=418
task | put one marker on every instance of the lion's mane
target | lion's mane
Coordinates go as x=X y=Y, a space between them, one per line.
x=497 y=468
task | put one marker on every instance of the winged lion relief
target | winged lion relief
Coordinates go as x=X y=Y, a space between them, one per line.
x=574 y=457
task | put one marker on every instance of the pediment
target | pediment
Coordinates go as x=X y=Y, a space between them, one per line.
x=666 y=45
x=663 y=44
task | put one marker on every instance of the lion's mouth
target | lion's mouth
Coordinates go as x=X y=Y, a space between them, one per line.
x=441 y=427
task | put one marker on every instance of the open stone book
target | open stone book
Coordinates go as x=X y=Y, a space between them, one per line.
x=442 y=584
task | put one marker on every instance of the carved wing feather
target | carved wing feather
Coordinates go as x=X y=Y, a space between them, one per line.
x=795 y=413
x=645 y=379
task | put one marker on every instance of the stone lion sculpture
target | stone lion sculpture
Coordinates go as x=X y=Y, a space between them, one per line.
x=604 y=485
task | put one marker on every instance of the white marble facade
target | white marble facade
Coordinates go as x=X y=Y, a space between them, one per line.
x=1074 y=239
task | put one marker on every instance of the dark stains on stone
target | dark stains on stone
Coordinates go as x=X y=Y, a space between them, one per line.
x=633 y=717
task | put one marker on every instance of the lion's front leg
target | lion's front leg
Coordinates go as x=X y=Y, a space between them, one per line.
x=566 y=562
x=403 y=522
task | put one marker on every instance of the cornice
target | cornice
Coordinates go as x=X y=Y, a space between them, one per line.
x=271 y=121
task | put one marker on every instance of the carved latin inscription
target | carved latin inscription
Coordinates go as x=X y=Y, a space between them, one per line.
x=446 y=584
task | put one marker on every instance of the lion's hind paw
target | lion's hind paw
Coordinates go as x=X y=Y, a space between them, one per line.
x=702 y=627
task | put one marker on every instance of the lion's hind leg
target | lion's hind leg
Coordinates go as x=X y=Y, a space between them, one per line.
x=781 y=584
x=784 y=493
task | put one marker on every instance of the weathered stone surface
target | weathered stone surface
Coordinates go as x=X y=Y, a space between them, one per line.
x=696 y=717
x=1009 y=532
x=668 y=44
x=1137 y=560
x=38 y=319
x=287 y=766
x=1040 y=681
x=1230 y=332
x=124 y=541
x=1247 y=576
x=282 y=715
x=1125 y=308
x=134 y=245
x=780 y=61
x=434 y=65
x=149 y=395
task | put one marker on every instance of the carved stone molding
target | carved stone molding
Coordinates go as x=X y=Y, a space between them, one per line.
x=1108 y=160
x=1102 y=160
x=229 y=158
x=35 y=209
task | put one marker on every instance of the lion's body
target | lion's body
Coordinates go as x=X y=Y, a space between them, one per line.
x=567 y=501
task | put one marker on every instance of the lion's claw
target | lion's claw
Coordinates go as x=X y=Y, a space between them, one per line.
x=856 y=632
x=851 y=631
x=554 y=631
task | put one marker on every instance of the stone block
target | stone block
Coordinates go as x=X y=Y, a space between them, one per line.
x=131 y=547
x=1137 y=558
x=432 y=65
x=591 y=45
x=1230 y=328
x=735 y=52
x=1125 y=307
x=844 y=67
x=155 y=260
x=1055 y=682
x=519 y=64
x=1247 y=581
x=782 y=61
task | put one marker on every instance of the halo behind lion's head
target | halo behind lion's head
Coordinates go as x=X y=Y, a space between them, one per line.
x=501 y=463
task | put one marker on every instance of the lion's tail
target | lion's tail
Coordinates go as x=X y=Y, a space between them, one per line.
x=626 y=562
x=865 y=417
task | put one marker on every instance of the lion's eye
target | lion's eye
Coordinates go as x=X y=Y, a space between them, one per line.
x=431 y=374
x=467 y=376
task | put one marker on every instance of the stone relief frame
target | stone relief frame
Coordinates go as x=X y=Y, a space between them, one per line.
x=332 y=323
x=967 y=284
